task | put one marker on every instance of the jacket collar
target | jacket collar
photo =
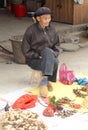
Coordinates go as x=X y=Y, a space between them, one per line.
x=39 y=26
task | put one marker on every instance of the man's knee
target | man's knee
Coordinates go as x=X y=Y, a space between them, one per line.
x=48 y=51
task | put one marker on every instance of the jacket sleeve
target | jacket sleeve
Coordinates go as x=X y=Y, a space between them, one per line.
x=26 y=45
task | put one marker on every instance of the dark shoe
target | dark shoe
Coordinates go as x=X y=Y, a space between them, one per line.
x=50 y=86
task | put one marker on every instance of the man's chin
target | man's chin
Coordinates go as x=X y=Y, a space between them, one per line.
x=46 y=25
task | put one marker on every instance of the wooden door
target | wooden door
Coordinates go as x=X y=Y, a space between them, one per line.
x=81 y=13
x=62 y=10
x=52 y=4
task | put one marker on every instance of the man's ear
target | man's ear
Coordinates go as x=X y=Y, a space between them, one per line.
x=38 y=18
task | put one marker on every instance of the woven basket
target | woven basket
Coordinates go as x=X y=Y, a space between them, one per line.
x=16 y=42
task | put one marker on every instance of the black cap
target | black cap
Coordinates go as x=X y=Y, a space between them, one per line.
x=42 y=11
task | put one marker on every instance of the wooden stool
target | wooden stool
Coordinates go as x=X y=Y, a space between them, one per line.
x=36 y=76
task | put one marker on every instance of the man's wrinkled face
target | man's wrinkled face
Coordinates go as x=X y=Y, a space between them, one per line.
x=44 y=20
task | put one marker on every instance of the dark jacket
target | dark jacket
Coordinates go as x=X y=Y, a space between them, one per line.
x=36 y=39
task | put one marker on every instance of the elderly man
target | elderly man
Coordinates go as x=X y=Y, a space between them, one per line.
x=41 y=49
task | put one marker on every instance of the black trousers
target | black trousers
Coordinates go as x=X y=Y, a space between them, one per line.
x=48 y=64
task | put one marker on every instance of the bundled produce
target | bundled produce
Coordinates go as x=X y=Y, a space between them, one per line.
x=80 y=92
x=55 y=107
x=16 y=119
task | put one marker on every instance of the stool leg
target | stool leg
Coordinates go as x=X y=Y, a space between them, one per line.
x=36 y=76
x=39 y=77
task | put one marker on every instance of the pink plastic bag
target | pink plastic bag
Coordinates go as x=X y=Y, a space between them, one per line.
x=66 y=76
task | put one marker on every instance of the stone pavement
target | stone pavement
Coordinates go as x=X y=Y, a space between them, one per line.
x=15 y=76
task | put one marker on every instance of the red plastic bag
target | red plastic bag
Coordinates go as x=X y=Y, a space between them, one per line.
x=25 y=101
x=66 y=76
x=48 y=111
